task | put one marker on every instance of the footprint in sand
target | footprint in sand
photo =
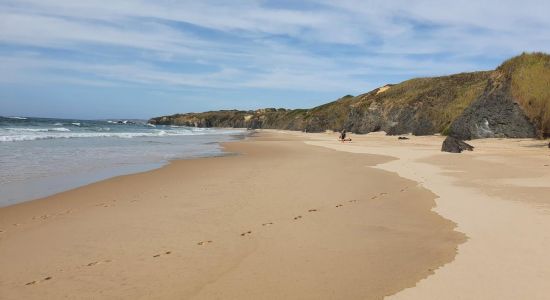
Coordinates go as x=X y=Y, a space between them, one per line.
x=266 y=224
x=68 y=211
x=165 y=253
x=312 y=210
x=38 y=281
x=383 y=194
x=98 y=262
x=339 y=205
x=297 y=217
x=352 y=201
x=246 y=233
x=374 y=197
x=204 y=243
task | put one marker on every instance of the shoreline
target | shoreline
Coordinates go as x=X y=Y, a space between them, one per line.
x=284 y=211
x=37 y=188
x=270 y=223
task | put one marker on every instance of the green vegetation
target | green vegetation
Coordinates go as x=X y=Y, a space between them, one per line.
x=438 y=99
x=530 y=78
x=331 y=116
x=420 y=106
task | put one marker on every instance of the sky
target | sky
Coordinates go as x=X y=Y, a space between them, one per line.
x=138 y=59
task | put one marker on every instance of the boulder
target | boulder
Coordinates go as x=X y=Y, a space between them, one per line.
x=454 y=145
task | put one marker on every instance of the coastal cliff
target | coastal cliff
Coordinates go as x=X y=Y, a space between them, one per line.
x=511 y=101
x=515 y=102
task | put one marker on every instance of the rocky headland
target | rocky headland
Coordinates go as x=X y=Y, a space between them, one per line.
x=511 y=101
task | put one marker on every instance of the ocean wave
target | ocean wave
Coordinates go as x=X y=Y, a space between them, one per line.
x=60 y=129
x=27 y=129
x=32 y=134
x=17 y=118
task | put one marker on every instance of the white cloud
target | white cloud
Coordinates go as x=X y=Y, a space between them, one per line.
x=329 y=46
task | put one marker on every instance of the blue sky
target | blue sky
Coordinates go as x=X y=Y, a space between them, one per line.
x=138 y=59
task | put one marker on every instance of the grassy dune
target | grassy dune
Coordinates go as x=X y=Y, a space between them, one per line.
x=530 y=78
x=439 y=99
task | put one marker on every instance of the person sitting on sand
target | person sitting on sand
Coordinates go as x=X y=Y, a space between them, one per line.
x=343 y=136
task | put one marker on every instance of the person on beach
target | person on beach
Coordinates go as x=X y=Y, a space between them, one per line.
x=342 y=135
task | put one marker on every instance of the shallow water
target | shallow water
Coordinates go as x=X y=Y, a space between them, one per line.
x=40 y=157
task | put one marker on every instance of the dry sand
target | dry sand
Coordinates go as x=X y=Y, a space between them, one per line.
x=499 y=195
x=294 y=220
x=284 y=220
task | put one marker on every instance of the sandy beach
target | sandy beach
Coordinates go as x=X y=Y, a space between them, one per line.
x=300 y=150
x=285 y=216
x=497 y=195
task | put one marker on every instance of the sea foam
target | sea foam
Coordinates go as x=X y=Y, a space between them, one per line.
x=31 y=134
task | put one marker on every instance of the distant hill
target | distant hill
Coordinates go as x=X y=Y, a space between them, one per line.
x=511 y=101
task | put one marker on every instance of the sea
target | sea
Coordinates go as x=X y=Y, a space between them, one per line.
x=43 y=156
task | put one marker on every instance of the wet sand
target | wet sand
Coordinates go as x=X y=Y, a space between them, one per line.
x=280 y=220
x=499 y=197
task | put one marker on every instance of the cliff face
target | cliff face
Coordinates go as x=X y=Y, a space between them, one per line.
x=269 y=118
x=515 y=103
x=420 y=106
x=494 y=114
x=512 y=101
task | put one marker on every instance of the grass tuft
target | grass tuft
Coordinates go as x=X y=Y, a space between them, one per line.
x=530 y=78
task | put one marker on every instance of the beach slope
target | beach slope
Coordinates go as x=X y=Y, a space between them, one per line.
x=277 y=219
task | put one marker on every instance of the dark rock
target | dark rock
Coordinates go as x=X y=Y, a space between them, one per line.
x=494 y=114
x=454 y=145
x=548 y=145
x=364 y=120
x=402 y=138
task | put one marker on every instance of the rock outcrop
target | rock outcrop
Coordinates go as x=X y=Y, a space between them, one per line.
x=512 y=101
x=494 y=114
x=454 y=145
x=421 y=106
